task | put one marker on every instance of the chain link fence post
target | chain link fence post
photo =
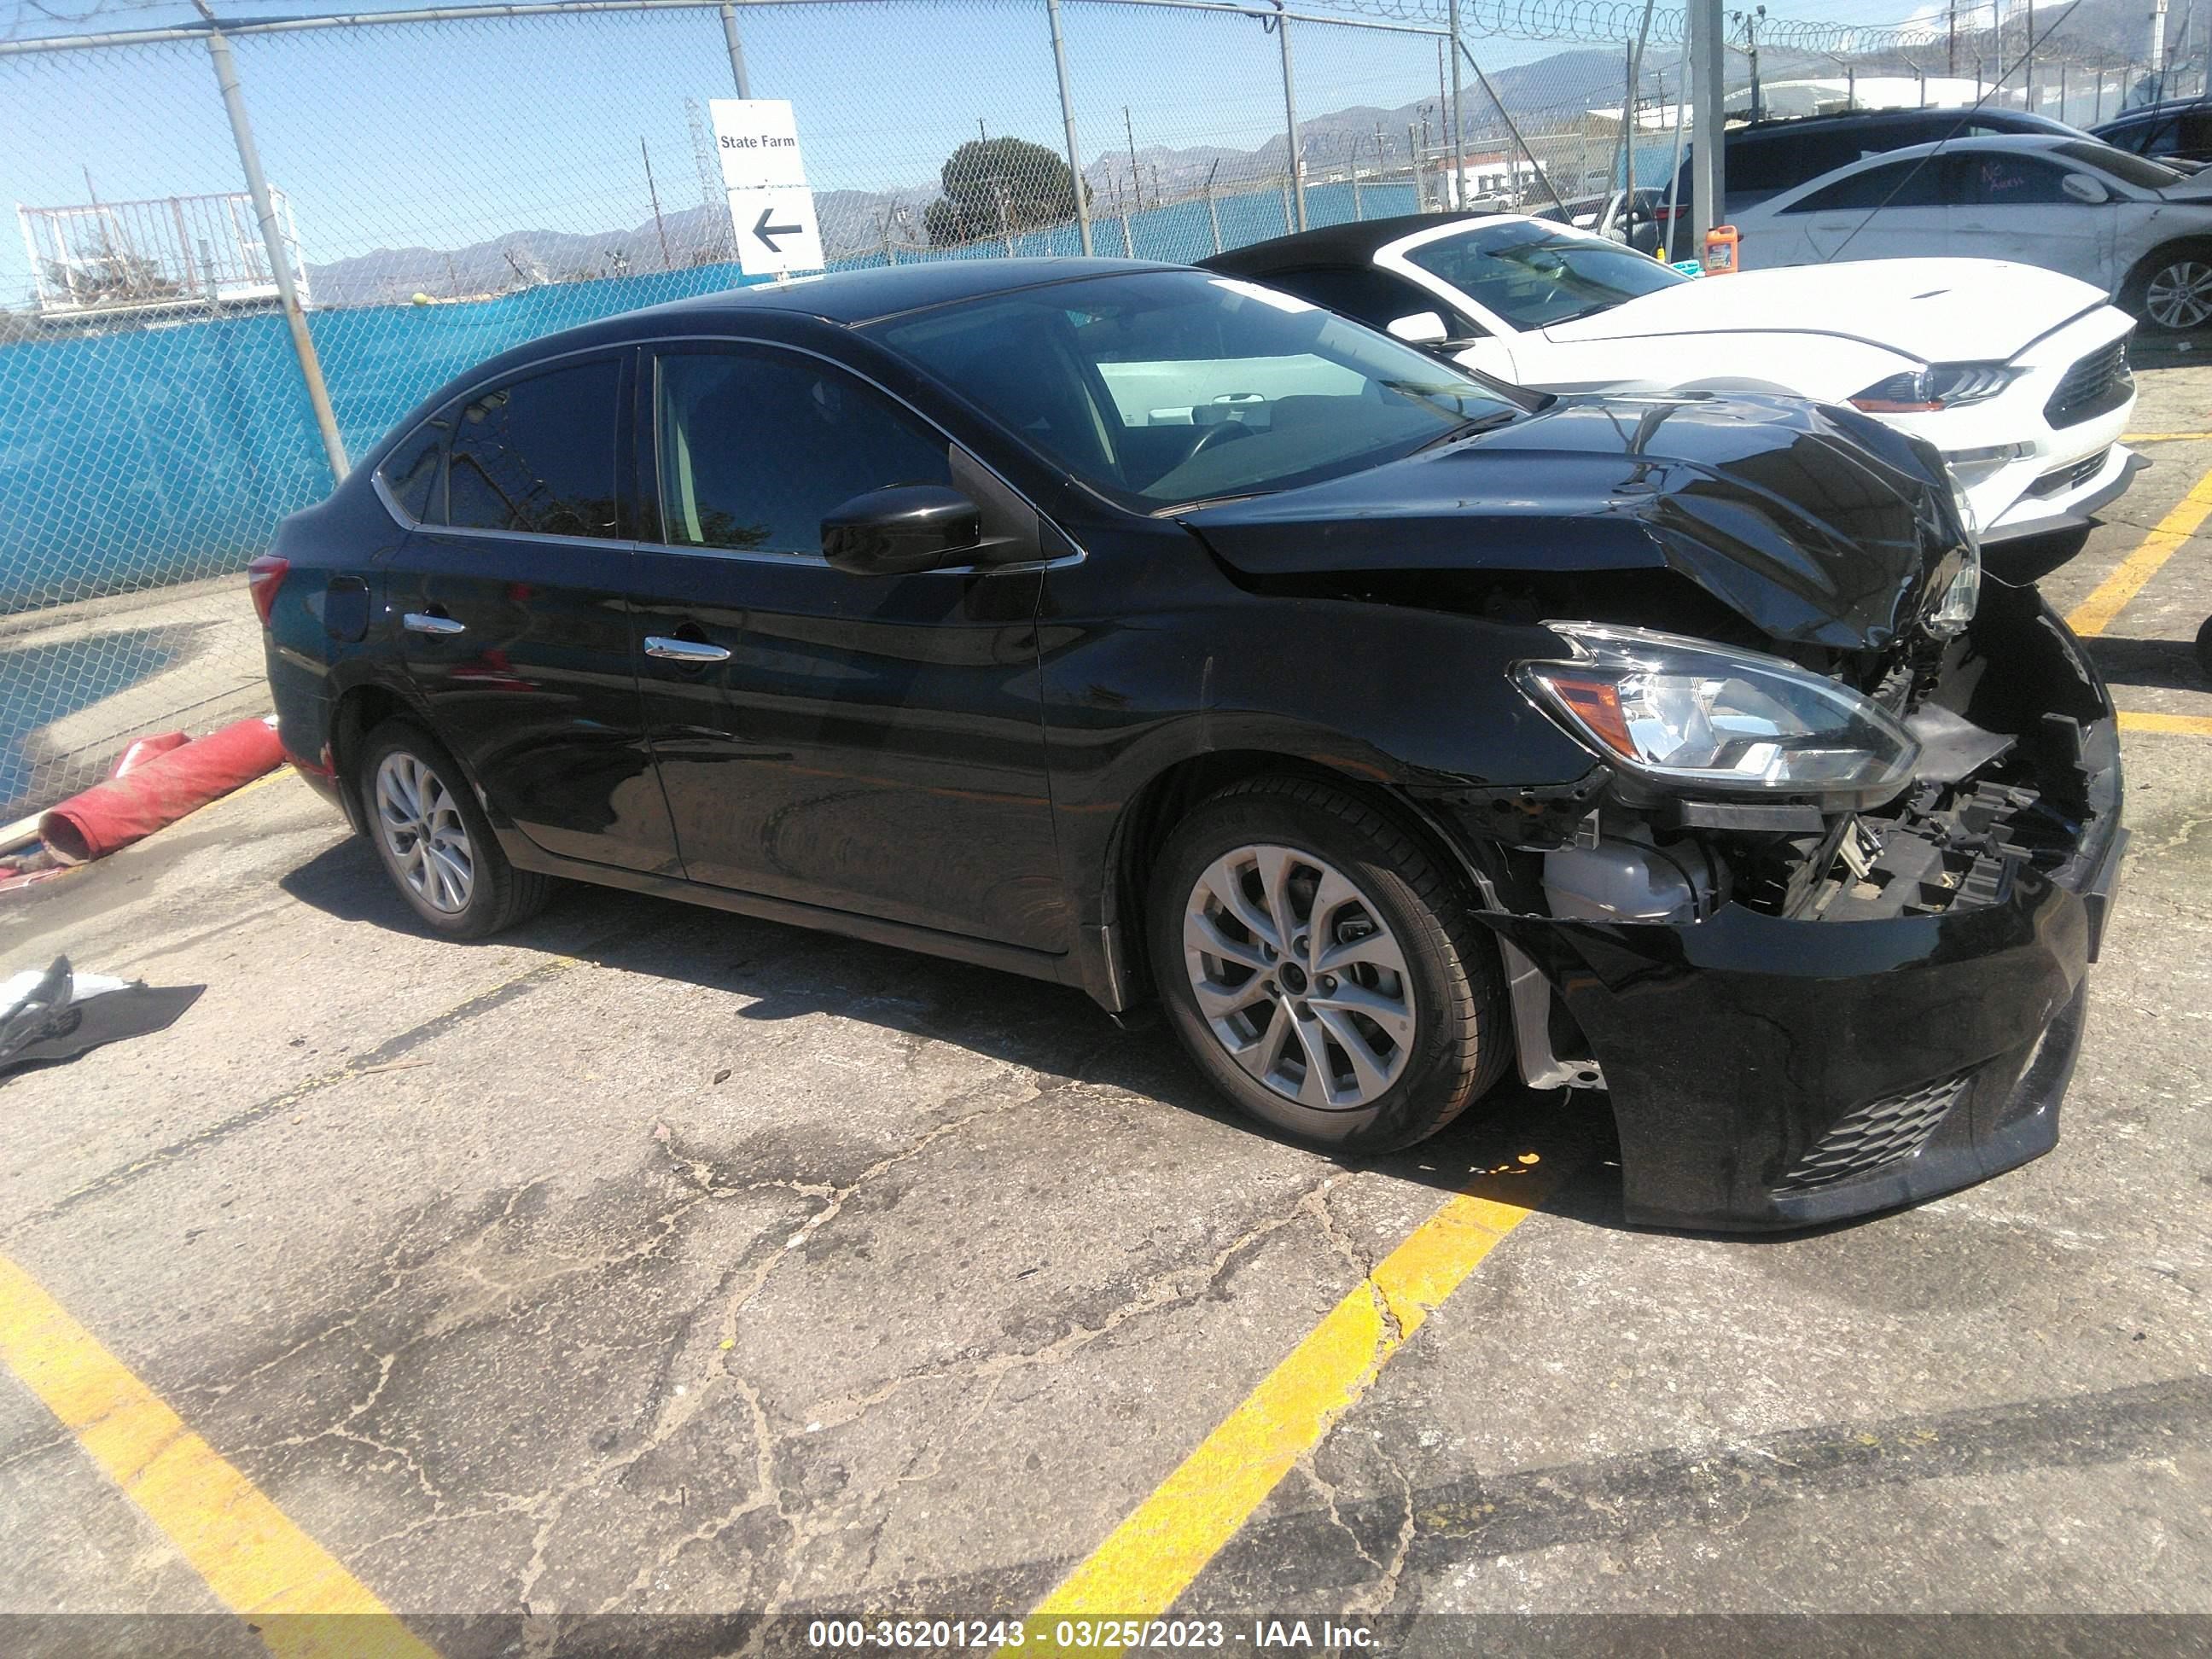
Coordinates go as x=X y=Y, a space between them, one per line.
x=272 y=238
x=1067 y=120
x=1294 y=162
x=736 y=50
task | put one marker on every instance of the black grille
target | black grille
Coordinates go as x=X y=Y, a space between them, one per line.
x=2060 y=480
x=2097 y=384
x=1881 y=1132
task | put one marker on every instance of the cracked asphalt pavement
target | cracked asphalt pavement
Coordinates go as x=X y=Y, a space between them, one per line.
x=652 y=1260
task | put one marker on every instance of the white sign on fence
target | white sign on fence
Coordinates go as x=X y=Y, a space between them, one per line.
x=776 y=231
x=758 y=142
x=771 y=208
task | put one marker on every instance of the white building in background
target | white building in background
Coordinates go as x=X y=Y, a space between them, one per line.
x=172 y=253
x=1491 y=178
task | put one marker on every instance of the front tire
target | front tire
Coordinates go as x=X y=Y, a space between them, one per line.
x=2172 y=290
x=1321 y=971
x=435 y=841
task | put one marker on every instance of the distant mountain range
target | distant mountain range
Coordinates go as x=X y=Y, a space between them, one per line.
x=1550 y=91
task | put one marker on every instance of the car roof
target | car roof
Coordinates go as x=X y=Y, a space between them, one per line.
x=1352 y=243
x=2152 y=112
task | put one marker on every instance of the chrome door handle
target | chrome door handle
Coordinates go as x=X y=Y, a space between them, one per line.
x=685 y=650
x=422 y=622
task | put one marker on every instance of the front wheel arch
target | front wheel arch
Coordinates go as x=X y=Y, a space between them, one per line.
x=1173 y=793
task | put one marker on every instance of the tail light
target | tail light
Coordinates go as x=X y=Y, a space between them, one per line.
x=262 y=578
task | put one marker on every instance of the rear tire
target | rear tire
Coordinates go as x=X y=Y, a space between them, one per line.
x=2171 y=291
x=435 y=841
x=1377 y=1020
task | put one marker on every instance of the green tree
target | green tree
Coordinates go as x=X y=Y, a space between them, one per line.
x=996 y=185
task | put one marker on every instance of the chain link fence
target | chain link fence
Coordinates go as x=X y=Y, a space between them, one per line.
x=448 y=185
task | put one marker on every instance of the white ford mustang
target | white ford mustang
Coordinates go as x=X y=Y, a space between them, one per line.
x=2018 y=375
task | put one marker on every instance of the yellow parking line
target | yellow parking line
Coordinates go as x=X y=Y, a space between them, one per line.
x=2194 y=725
x=1153 y=1555
x=2165 y=437
x=2094 y=614
x=304 y=1604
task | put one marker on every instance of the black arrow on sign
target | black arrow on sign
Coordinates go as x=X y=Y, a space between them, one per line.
x=765 y=230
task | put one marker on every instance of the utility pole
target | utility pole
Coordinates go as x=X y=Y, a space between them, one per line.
x=652 y=194
x=1067 y=120
x=1453 y=194
x=272 y=242
x=1129 y=129
x=1951 y=43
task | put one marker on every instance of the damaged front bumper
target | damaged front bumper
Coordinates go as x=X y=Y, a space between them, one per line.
x=1779 y=1070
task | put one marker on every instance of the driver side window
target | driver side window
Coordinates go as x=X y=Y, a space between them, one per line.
x=754 y=449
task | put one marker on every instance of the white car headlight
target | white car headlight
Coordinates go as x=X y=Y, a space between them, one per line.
x=1939 y=386
x=1704 y=720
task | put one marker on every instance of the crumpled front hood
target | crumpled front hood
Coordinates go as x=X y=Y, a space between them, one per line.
x=1937 y=310
x=1816 y=524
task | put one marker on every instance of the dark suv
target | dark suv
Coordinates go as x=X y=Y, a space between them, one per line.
x=1768 y=157
x=2176 y=131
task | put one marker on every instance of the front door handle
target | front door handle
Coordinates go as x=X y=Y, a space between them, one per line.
x=423 y=622
x=694 y=652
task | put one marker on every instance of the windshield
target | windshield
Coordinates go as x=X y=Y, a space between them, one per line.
x=1174 y=386
x=1534 y=275
x=2136 y=170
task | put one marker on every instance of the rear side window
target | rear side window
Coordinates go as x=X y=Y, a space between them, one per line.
x=537 y=454
x=1997 y=179
x=755 y=449
x=1787 y=160
x=411 y=473
x=1916 y=183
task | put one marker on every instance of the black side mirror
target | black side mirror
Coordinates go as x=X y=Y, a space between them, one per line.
x=900 y=529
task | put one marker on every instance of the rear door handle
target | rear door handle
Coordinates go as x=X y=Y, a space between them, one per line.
x=685 y=651
x=422 y=622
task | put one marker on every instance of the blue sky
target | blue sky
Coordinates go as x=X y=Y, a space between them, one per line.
x=444 y=134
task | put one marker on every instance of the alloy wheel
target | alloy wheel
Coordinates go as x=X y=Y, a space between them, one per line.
x=423 y=832
x=1299 y=977
x=2180 y=296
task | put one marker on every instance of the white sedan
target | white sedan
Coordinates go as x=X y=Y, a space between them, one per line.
x=2018 y=375
x=2134 y=228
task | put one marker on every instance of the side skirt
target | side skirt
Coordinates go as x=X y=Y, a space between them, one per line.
x=1059 y=969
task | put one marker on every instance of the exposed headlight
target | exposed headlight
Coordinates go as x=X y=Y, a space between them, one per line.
x=1696 y=717
x=1964 y=593
x=1940 y=386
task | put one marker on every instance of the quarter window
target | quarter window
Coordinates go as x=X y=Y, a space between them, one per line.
x=537 y=454
x=755 y=449
x=411 y=474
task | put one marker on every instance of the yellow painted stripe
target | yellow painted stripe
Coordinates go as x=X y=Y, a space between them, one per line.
x=261 y=1565
x=2195 y=725
x=1152 y=1556
x=2165 y=437
x=2094 y=614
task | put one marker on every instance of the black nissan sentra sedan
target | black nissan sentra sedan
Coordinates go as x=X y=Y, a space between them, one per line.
x=1158 y=633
